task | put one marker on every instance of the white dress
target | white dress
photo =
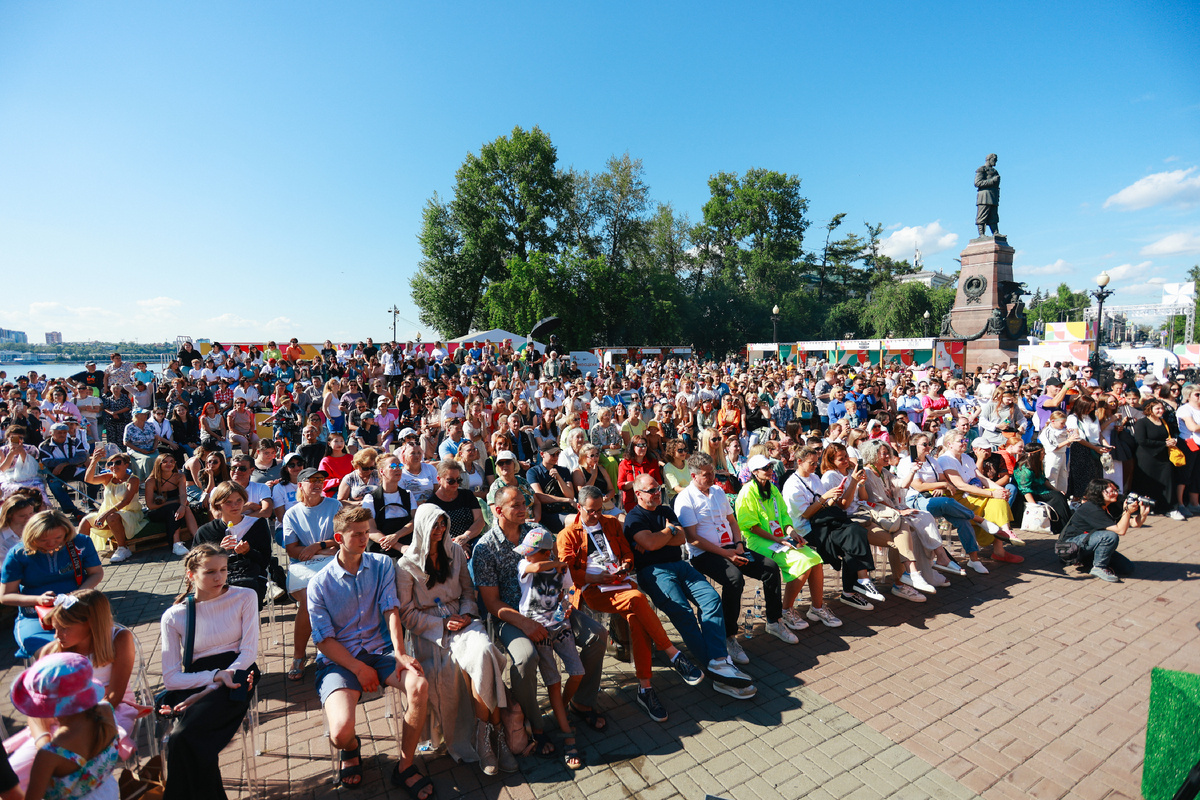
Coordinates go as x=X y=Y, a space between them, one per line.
x=1055 y=462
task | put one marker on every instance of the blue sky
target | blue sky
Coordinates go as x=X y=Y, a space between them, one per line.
x=250 y=171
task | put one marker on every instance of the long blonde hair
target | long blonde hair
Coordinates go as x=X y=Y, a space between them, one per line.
x=92 y=609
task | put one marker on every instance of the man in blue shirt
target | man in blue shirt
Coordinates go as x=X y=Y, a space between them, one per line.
x=349 y=601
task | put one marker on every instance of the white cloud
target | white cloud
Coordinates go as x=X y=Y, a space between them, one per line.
x=1178 y=186
x=931 y=238
x=1059 y=267
x=1175 y=244
x=1157 y=281
x=160 y=303
x=1126 y=271
x=1169 y=159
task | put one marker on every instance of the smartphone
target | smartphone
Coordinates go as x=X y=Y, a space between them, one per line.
x=912 y=452
x=860 y=465
x=241 y=693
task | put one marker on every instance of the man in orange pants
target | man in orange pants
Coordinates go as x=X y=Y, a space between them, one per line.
x=594 y=548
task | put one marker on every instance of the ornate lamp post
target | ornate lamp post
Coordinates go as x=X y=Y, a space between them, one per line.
x=775 y=324
x=925 y=325
x=1101 y=295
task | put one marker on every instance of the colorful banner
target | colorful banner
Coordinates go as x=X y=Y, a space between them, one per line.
x=1070 y=332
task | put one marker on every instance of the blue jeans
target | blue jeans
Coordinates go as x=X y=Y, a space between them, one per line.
x=953 y=512
x=670 y=587
x=1101 y=544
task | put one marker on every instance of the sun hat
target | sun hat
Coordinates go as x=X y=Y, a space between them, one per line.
x=758 y=462
x=537 y=539
x=57 y=685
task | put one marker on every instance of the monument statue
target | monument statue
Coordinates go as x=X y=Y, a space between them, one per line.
x=987 y=199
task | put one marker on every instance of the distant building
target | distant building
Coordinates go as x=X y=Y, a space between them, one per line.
x=934 y=280
x=54 y=337
x=16 y=337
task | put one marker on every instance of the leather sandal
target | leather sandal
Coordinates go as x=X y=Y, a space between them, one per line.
x=400 y=781
x=352 y=770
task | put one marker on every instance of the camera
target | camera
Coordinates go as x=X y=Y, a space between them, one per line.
x=1132 y=499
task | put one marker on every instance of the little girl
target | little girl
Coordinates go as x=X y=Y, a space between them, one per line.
x=79 y=758
x=1056 y=438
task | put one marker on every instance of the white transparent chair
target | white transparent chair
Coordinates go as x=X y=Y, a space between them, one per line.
x=248 y=732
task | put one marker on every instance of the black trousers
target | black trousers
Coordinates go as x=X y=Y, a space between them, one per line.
x=733 y=581
x=166 y=515
x=844 y=541
x=199 y=736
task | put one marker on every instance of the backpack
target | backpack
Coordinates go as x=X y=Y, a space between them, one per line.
x=378 y=502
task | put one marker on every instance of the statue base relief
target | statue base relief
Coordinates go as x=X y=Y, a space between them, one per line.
x=986 y=265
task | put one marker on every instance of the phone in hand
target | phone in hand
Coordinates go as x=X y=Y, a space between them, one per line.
x=861 y=467
x=912 y=452
x=240 y=693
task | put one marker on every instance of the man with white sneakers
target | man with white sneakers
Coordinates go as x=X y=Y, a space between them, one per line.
x=673 y=585
x=718 y=551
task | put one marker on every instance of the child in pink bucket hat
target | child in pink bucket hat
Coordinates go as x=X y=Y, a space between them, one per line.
x=80 y=757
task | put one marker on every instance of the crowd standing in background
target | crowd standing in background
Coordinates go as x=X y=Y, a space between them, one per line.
x=494 y=502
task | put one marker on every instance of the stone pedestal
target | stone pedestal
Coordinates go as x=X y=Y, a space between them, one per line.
x=986 y=262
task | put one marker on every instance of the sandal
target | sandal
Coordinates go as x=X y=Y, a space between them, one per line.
x=400 y=781
x=543 y=740
x=352 y=770
x=592 y=718
x=296 y=673
x=571 y=753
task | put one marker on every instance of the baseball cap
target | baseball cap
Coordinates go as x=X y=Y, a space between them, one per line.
x=505 y=455
x=536 y=539
x=980 y=443
x=758 y=462
x=59 y=426
x=406 y=432
x=309 y=473
x=551 y=448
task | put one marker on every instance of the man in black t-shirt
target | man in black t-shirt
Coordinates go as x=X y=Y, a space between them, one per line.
x=551 y=485
x=672 y=584
x=1094 y=529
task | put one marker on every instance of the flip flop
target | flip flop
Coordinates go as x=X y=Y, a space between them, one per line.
x=296 y=673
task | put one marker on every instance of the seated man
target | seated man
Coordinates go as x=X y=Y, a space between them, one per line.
x=349 y=601
x=551 y=485
x=594 y=549
x=718 y=551
x=656 y=539
x=1097 y=532
x=494 y=568
x=66 y=461
x=310 y=544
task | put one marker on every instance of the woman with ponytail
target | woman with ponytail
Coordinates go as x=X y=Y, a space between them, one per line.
x=203 y=675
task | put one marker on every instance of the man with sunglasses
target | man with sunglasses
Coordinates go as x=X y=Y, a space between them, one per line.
x=260 y=502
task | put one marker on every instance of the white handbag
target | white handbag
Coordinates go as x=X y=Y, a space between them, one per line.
x=1036 y=517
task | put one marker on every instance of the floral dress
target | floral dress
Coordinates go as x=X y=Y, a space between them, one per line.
x=94 y=780
x=117 y=415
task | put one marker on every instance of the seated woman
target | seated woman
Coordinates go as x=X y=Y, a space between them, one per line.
x=362 y=479
x=213 y=431
x=167 y=500
x=15 y=513
x=338 y=464
x=438 y=610
x=635 y=463
x=459 y=504
x=1097 y=531
x=986 y=499
x=1030 y=478
x=19 y=465
x=590 y=473
x=51 y=560
x=200 y=692
x=392 y=506
x=245 y=540
x=119 y=517
x=83 y=624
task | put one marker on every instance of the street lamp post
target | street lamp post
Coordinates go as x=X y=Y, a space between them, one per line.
x=1101 y=295
x=395 y=312
x=775 y=325
x=925 y=326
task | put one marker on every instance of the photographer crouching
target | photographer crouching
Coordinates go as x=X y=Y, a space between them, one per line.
x=1095 y=529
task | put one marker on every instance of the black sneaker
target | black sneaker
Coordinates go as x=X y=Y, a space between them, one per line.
x=855 y=601
x=690 y=673
x=648 y=700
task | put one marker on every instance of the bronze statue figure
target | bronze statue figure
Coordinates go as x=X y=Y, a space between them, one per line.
x=987 y=199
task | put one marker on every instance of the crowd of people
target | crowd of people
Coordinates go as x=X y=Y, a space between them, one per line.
x=458 y=523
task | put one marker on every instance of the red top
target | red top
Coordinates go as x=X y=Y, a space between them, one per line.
x=627 y=470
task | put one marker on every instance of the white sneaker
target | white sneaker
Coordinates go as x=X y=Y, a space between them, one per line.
x=917 y=581
x=824 y=616
x=179 y=549
x=1177 y=516
x=734 y=648
x=990 y=527
x=793 y=620
x=722 y=670
x=907 y=592
x=736 y=692
x=780 y=632
x=867 y=589
x=978 y=567
x=122 y=554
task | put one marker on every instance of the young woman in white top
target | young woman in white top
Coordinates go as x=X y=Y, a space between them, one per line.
x=201 y=695
x=988 y=499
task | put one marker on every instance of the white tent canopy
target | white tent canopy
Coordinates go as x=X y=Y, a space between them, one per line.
x=495 y=335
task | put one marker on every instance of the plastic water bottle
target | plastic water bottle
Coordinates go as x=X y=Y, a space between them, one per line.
x=425 y=746
x=442 y=612
x=748 y=626
x=758 y=603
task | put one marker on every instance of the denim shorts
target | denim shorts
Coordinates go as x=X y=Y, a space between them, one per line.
x=331 y=676
x=563 y=643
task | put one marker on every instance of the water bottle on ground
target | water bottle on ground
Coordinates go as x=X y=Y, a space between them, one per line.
x=758 y=603
x=748 y=626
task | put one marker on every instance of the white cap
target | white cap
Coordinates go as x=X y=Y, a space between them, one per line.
x=758 y=462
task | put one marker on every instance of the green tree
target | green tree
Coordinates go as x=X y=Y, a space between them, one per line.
x=1179 y=321
x=1063 y=305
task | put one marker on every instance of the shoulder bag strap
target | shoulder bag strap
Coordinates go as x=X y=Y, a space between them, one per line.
x=189 y=640
x=76 y=563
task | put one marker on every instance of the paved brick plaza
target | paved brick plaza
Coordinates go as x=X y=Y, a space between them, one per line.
x=1022 y=683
